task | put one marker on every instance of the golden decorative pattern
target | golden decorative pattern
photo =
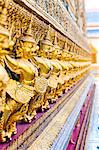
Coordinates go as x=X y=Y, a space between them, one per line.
x=38 y=63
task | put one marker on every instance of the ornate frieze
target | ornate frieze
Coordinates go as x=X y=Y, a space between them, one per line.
x=55 y=10
x=39 y=61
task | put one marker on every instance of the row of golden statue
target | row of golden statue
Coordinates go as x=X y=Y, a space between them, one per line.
x=32 y=77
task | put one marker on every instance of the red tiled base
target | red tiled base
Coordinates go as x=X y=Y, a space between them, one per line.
x=78 y=135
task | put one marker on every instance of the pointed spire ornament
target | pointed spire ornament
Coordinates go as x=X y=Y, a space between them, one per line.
x=28 y=36
x=29 y=30
x=11 y=42
x=56 y=43
x=48 y=34
x=65 y=46
x=3 y=17
x=3 y=12
x=47 y=40
x=11 y=32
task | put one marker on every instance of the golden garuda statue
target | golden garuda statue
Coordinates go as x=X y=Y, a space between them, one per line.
x=32 y=76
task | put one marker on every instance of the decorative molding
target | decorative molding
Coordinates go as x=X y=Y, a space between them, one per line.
x=65 y=25
x=62 y=140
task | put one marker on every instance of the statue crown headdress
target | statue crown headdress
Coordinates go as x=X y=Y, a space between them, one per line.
x=47 y=39
x=28 y=36
x=55 y=42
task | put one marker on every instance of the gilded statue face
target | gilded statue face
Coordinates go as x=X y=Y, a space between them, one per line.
x=4 y=41
x=29 y=49
x=47 y=48
x=26 y=49
x=27 y=44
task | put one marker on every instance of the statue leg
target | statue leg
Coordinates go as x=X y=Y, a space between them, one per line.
x=59 y=90
x=36 y=103
x=17 y=116
x=31 y=113
x=46 y=102
x=2 y=139
x=5 y=112
x=52 y=96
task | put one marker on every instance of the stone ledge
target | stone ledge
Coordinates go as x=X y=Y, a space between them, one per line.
x=64 y=136
x=47 y=137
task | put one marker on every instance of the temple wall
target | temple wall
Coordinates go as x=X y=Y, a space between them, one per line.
x=45 y=64
x=43 y=14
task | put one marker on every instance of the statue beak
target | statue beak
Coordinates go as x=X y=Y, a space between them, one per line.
x=11 y=63
x=5 y=52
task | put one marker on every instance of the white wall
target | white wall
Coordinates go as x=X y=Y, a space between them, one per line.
x=95 y=43
x=92 y=4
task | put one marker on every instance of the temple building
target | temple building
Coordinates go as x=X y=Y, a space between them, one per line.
x=48 y=83
x=92 y=25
